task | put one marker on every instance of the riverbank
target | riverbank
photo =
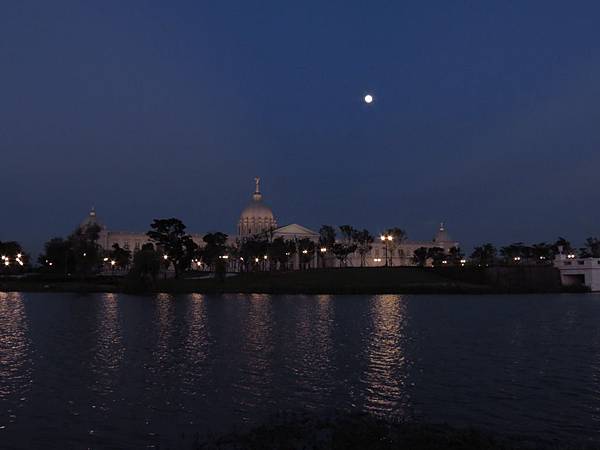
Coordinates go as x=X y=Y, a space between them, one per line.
x=383 y=280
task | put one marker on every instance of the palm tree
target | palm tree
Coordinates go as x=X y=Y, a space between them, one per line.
x=484 y=255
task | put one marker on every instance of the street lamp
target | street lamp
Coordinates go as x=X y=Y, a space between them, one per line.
x=387 y=238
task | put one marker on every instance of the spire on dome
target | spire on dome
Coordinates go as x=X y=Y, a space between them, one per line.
x=257 y=181
x=442 y=235
x=257 y=196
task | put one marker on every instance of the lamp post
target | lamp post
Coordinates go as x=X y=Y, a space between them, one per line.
x=386 y=239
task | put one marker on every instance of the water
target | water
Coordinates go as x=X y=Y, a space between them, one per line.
x=119 y=371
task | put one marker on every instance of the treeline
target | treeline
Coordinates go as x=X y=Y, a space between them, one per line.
x=540 y=253
x=172 y=248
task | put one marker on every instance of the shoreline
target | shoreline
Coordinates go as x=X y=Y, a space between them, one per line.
x=345 y=281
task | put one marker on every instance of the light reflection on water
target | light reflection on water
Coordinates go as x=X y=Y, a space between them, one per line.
x=118 y=371
x=16 y=365
x=386 y=373
x=109 y=352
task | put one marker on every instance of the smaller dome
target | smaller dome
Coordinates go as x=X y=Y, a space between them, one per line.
x=91 y=219
x=442 y=235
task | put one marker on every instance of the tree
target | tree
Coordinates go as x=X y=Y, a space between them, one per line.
x=514 y=253
x=57 y=256
x=347 y=233
x=484 y=255
x=341 y=251
x=175 y=243
x=146 y=263
x=327 y=236
x=281 y=251
x=363 y=240
x=592 y=247
x=562 y=246
x=306 y=251
x=85 y=253
x=437 y=255
x=121 y=256
x=455 y=256
x=398 y=236
x=253 y=251
x=14 y=259
x=420 y=256
x=542 y=252
x=215 y=248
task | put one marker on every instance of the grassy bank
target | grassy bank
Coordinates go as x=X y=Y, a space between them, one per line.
x=329 y=281
x=382 y=280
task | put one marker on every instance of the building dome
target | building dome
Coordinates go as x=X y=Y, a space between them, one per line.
x=91 y=219
x=256 y=217
x=442 y=235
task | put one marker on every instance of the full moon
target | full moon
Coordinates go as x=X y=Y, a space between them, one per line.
x=368 y=98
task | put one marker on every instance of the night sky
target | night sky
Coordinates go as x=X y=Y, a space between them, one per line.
x=486 y=115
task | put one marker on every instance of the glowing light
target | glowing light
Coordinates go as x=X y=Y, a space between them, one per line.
x=368 y=99
x=105 y=259
x=265 y=257
x=165 y=257
x=225 y=256
x=323 y=249
x=113 y=262
x=256 y=259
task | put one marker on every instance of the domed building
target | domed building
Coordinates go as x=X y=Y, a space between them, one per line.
x=257 y=217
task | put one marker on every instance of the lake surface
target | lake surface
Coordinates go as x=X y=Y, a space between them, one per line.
x=119 y=371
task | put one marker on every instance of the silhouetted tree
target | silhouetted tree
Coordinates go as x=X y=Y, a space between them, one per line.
x=363 y=240
x=146 y=263
x=398 y=236
x=281 y=251
x=484 y=255
x=170 y=236
x=306 y=251
x=542 y=252
x=437 y=255
x=57 y=256
x=121 y=256
x=592 y=248
x=14 y=259
x=327 y=236
x=455 y=256
x=420 y=256
x=253 y=250
x=215 y=248
x=562 y=246
x=85 y=252
x=515 y=253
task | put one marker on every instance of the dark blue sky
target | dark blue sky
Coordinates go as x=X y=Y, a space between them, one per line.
x=486 y=115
